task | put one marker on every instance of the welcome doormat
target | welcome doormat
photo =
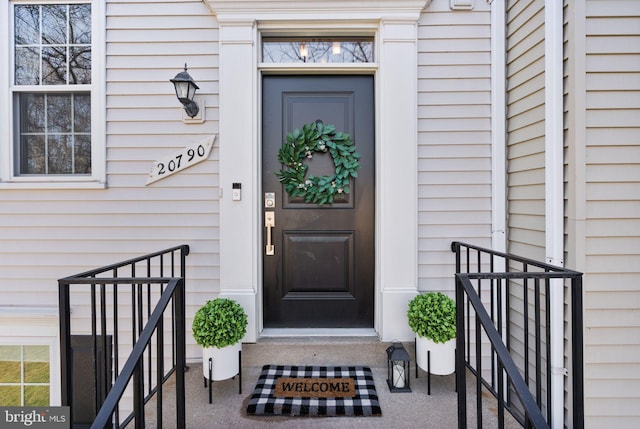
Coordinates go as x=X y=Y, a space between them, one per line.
x=287 y=390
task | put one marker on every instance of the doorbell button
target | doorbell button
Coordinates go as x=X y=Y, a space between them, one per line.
x=236 y=189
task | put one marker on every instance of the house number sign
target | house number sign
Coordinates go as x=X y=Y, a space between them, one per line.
x=178 y=161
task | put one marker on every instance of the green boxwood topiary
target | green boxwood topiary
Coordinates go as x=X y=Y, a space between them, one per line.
x=219 y=323
x=433 y=315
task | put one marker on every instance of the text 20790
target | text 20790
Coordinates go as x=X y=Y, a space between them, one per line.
x=175 y=163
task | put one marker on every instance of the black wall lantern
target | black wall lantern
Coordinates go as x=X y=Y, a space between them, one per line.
x=398 y=368
x=186 y=91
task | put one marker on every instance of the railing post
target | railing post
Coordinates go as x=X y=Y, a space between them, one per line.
x=577 y=352
x=180 y=354
x=64 y=309
x=159 y=370
x=455 y=248
x=461 y=381
x=138 y=396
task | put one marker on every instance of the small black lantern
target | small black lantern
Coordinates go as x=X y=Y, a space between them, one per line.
x=398 y=368
x=185 y=91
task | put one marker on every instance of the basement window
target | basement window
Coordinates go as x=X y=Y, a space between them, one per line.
x=24 y=375
x=317 y=50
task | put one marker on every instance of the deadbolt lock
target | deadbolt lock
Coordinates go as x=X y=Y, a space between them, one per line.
x=269 y=200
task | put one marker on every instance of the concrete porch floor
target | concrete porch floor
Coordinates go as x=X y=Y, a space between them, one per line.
x=399 y=410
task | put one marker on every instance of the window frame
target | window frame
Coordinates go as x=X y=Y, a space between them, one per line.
x=9 y=176
x=35 y=326
x=22 y=383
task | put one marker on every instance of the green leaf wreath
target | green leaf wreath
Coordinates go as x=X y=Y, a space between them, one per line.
x=301 y=145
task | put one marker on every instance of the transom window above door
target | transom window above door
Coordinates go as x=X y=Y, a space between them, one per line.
x=317 y=50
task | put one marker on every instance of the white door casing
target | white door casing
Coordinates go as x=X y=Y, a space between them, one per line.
x=394 y=24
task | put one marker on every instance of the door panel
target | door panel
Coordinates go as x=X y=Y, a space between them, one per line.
x=321 y=273
x=303 y=273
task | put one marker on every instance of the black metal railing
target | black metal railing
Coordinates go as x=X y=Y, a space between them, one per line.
x=126 y=316
x=503 y=305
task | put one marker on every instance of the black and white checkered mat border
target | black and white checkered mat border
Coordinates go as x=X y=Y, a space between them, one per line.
x=364 y=403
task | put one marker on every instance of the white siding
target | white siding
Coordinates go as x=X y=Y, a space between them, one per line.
x=454 y=137
x=604 y=202
x=48 y=234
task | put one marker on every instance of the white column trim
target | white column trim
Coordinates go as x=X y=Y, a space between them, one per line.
x=396 y=184
x=498 y=150
x=498 y=128
x=239 y=156
x=554 y=190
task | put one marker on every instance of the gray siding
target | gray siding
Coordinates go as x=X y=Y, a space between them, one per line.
x=525 y=126
x=603 y=219
x=454 y=137
x=146 y=46
x=48 y=234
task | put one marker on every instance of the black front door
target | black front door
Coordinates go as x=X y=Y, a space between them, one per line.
x=321 y=270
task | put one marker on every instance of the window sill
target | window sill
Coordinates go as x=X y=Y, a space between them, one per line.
x=29 y=312
x=52 y=185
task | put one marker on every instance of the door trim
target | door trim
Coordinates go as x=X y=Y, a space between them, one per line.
x=396 y=154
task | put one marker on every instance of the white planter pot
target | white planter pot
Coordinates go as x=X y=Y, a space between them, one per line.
x=443 y=355
x=225 y=361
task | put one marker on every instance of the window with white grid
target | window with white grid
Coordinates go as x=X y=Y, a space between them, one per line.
x=51 y=106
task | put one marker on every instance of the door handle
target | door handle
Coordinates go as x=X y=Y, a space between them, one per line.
x=269 y=222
